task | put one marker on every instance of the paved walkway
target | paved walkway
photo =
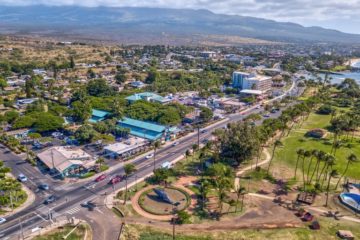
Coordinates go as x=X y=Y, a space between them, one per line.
x=241 y=171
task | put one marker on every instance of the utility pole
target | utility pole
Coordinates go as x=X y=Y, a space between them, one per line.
x=173 y=233
x=52 y=159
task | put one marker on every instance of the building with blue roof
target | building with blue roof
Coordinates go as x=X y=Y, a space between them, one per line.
x=98 y=115
x=149 y=97
x=150 y=131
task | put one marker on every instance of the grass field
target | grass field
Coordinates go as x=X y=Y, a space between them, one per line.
x=296 y=139
x=58 y=234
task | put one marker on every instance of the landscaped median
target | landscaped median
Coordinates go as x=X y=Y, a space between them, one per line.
x=152 y=203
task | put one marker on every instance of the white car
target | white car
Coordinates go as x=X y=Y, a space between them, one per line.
x=2 y=220
x=175 y=143
x=22 y=178
x=150 y=156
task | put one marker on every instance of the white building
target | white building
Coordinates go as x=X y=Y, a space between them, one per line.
x=125 y=149
x=252 y=81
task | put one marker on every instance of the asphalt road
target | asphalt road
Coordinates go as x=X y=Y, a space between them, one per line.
x=69 y=197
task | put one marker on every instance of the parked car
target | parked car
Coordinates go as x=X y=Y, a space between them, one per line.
x=150 y=156
x=50 y=199
x=44 y=186
x=2 y=220
x=115 y=179
x=100 y=178
x=22 y=178
x=266 y=115
x=175 y=144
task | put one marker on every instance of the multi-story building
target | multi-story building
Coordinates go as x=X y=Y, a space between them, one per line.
x=252 y=81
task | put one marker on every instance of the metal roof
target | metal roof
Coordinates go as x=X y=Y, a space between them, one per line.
x=144 y=125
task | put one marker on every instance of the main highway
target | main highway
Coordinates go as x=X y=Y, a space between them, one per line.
x=70 y=196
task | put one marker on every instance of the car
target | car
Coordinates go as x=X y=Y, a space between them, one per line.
x=203 y=131
x=115 y=179
x=22 y=178
x=273 y=111
x=43 y=186
x=50 y=199
x=2 y=220
x=88 y=204
x=257 y=107
x=175 y=144
x=266 y=115
x=150 y=156
x=100 y=178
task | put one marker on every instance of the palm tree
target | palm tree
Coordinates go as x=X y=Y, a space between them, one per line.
x=129 y=169
x=319 y=157
x=333 y=174
x=330 y=162
x=277 y=143
x=156 y=146
x=300 y=153
x=306 y=155
x=351 y=159
x=240 y=191
x=314 y=153
x=100 y=161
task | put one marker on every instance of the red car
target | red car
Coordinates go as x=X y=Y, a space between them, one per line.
x=115 y=179
x=100 y=178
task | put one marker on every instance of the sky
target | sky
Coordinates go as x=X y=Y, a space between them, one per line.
x=342 y=15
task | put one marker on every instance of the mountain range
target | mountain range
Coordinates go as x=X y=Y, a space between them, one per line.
x=157 y=26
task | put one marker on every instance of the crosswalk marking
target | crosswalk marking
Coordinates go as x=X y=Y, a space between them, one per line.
x=73 y=210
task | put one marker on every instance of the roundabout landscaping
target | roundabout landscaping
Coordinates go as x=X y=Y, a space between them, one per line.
x=152 y=203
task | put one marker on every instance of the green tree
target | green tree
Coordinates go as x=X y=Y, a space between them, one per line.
x=300 y=154
x=276 y=144
x=222 y=179
x=85 y=133
x=332 y=174
x=3 y=83
x=81 y=110
x=351 y=159
x=46 y=122
x=129 y=169
x=206 y=114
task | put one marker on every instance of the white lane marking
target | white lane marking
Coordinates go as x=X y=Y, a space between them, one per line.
x=99 y=210
x=40 y=217
x=73 y=210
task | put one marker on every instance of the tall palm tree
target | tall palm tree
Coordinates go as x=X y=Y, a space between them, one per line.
x=330 y=162
x=319 y=158
x=306 y=155
x=314 y=154
x=128 y=169
x=277 y=143
x=352 y=158
x=332 y=174
x=300 y=153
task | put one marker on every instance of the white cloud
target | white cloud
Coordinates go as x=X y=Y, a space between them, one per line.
x=340 y=13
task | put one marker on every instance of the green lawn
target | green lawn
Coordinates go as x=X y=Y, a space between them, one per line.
x=296 y=139
x=58 y=234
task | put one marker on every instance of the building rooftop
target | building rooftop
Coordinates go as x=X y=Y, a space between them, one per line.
x=141 y=124
x=98 y=115
x=250 y=91
x=147 y=96
x=123 y=147
x=62 y=158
